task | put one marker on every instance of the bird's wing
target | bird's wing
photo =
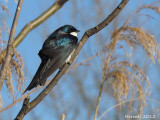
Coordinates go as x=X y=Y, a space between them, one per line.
x=57 y=55
x=54 y=63
x=52 y=57
x=53 y=46
x=35 y=81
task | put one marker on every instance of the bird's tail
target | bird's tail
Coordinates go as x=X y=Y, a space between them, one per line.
x=36 y=79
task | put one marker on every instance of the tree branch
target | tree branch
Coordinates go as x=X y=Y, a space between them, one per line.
x=54 y=81
x=99 y=98
x=10 y=50
x=50 y=11
x=39 y=87
x=33 y=24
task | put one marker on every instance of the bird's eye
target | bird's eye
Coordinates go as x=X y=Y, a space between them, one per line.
x=74 y=34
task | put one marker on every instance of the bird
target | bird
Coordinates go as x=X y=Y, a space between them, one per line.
x=56 y=51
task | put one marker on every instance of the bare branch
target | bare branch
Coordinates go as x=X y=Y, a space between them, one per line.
x=25 y=106
x=23 y=97
x=55 y=80
x=63 y=117
x=10 y=50
x=31 y=25
x=4 y=8
x=81 y=63
x=39 y=87
x=99 y=98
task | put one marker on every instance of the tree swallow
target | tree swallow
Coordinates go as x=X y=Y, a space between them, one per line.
x=55 y=52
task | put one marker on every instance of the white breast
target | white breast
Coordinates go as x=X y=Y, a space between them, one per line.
x=69 y=57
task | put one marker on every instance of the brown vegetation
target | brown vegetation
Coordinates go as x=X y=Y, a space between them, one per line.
x=128 y=80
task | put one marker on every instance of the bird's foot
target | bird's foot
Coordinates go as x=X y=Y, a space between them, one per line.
x=69 y=63
x=60 y=69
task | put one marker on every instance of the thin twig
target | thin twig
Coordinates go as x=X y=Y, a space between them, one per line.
x=124 y=102
x=55 y=80
x=63 y=117
x=39 y=87
x=10 y=50
x=23 y=97
x=4 y=8
x=99 y=98
x=31 y=25
x=104 y=78
x=81 y=63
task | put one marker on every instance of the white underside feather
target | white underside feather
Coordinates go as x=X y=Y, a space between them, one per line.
x=74 y=34
x=69 y=57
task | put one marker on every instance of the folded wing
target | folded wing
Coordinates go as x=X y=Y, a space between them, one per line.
x=53 y=55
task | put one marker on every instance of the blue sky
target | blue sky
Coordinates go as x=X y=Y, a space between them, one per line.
x=83 y=20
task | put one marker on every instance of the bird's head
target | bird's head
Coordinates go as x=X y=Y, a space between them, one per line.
x=68 y=29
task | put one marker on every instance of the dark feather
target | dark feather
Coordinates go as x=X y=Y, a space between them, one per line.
x=53 y=55
x=56 y=62
x=34 y=82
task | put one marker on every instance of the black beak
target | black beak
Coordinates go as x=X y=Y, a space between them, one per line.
x=77 y=31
